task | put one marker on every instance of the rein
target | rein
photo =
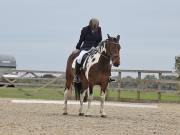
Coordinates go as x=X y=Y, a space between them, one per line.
x=103 y=55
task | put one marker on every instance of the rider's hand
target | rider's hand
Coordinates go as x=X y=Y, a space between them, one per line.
x=77 y=50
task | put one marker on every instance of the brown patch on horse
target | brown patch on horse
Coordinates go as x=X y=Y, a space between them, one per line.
x=70 y=70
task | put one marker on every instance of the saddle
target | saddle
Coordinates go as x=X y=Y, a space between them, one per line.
x=86 y=57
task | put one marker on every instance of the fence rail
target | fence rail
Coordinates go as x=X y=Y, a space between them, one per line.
x=141 y=82
x=36 y=78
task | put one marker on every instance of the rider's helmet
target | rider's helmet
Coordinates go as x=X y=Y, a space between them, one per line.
x=94 y=23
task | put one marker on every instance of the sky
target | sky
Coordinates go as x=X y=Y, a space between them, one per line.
x=41 y=34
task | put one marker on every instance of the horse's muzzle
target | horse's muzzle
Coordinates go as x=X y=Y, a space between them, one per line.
x=116 y=64
x=116 y=60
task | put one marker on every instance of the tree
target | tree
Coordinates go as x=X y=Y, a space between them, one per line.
x=150 y=77
x=177 y=65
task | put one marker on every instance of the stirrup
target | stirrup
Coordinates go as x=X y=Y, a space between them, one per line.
x=111 y=80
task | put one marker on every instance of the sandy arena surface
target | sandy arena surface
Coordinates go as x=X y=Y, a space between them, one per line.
x=47 y=119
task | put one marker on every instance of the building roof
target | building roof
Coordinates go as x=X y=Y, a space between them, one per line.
x=7 y=61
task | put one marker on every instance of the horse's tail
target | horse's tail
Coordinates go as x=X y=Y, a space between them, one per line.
x=69 y=70
x=86 y=97
x=78 y=89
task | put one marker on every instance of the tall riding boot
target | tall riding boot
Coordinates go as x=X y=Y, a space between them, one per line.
x=77 y=72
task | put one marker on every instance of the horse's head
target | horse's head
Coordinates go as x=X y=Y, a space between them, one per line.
x=113 y=49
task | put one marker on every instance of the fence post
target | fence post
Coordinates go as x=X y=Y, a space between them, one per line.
x=119 y=86
x=159 y=96
x=159 y=87
x=178 y=89
x=139 y=86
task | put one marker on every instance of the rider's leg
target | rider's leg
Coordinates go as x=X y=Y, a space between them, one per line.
x=79 y=58
x=77 y=72
x=78 y=65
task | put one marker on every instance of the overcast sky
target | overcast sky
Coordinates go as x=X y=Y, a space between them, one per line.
x=42 y=33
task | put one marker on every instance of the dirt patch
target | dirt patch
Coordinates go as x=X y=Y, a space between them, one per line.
x=47 y=119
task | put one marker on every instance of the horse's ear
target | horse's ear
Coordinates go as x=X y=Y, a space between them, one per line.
x=118 y=37
x=108 y=36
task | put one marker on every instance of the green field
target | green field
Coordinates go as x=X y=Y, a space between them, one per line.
x=57 y=94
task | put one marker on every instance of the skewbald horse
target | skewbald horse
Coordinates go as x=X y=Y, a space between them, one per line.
x=97 y=71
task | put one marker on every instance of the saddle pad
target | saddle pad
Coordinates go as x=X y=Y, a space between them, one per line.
x=84 y=58
x=90 y=60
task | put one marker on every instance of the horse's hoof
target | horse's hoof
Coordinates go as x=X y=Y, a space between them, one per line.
x=81 y=114
x=88 y=115
x=103 y=116
x=65 y=113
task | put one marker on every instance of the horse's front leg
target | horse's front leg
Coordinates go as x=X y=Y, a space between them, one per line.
x=102 y=112
x=103 y=96
x=82 y=95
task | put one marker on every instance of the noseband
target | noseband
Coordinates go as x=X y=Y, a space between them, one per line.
x=115 y=55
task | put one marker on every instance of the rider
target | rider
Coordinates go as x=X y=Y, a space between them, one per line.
x=91 y=36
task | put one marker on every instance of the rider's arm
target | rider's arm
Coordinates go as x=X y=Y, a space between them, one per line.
x=81 y=39
x=100 y=36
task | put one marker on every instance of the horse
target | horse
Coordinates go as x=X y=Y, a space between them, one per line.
x=96 y=71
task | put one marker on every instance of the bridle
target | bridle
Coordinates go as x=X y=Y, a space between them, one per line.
x=106 y=57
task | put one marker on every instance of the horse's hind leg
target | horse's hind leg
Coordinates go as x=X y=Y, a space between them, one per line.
x=90 y=98
x=66 y=91
x=66 y=95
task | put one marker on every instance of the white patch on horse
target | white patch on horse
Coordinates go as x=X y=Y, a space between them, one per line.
x=93 y=60
x=74 y=63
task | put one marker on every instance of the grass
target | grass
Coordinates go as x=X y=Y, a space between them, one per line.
x=57 y=94
x=149 y=95
x=30 y=93
x=171 y=97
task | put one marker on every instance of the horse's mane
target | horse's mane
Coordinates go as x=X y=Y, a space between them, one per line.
x=101 y=46
x=101 y=43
